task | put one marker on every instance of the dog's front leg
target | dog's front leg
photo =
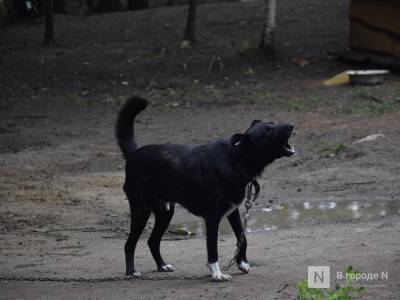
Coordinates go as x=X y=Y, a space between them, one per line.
x=236 y=223
x=212 y=250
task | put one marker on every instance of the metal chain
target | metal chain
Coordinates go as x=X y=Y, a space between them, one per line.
x=248 y=204
x=250 y=199
x=102 y=279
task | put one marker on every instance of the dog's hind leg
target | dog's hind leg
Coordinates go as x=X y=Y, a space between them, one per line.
x=139 y=218
x=212 y=225
x=236 y=223
x=163 y=217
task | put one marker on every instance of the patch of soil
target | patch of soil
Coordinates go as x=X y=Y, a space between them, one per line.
x=62 y=209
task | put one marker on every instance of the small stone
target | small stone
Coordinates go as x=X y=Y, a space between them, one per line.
x=369 y=138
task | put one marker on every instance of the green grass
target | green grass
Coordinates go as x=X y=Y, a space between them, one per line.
x=346 y=292
x=85 y=101
x=304 y=105
x=296 y=105
x=8 y=128
x=249 y=72
x=159 y=53
x=263 y=97
x=369 y=107
x=331 y=149
x=244 y=47
x=79 y=100
x=315 y=100
x=370 y=100
x=73 y=97
x=363 y=92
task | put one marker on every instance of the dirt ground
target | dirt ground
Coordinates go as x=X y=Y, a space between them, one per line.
x=63 y=212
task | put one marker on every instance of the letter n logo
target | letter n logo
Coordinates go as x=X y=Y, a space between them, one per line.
x=319 y=277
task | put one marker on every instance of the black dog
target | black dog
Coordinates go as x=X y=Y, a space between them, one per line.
x=209 y=180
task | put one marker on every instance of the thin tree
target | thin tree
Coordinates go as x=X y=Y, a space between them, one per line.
x=60 y=7
x=191 y=22
x=268 y=31
x=138 y=4
x=106 y=6
x=90 y=6
x=49 y=23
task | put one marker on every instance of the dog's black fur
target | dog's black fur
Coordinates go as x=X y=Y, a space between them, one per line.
x=209 y=180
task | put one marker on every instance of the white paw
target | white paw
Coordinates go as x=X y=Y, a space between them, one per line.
x=221 y=277
x=167 y=268
x=216 y=274
x=244 y=267
x=135 y=274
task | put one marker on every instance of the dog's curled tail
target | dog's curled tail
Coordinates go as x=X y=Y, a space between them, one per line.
x=124 y=131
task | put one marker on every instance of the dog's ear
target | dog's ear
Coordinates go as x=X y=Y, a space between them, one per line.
x=238 y=139
x=254 y=122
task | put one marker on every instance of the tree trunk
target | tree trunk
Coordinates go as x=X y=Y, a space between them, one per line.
x=49 y=23
x=106 y=6
x=138 y=4
x=191 y=22
x=268 y=31
x=90 y=6
x=59 y=7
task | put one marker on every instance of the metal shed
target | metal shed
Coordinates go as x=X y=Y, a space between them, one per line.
x=375 y=26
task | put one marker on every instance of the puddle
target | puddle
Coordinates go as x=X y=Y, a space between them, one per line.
x=286 y=215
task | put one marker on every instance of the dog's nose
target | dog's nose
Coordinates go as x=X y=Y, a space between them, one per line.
x=290 y=126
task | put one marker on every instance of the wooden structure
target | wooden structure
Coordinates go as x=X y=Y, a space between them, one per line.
x=375 y=26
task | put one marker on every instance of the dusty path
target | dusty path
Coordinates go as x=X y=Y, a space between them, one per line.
x=62 y=210
x=78 y=217
x=278 y=257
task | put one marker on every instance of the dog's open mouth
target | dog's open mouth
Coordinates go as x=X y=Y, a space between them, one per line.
x=288 y=149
